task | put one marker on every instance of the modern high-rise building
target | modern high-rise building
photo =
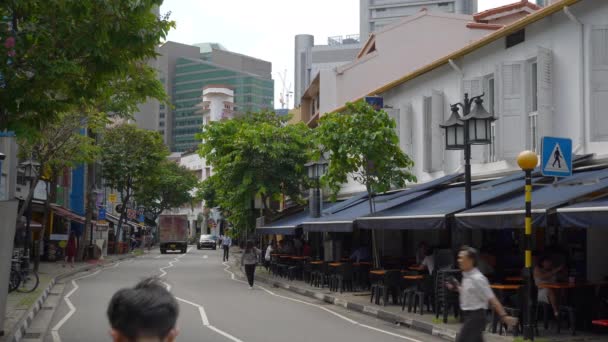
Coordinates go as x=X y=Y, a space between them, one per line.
x=185 y=70
x=375 y=14
x=311 y=58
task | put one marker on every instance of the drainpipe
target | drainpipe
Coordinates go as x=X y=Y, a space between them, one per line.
x=582 y=79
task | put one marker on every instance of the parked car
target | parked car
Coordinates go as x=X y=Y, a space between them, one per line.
x=207 y=241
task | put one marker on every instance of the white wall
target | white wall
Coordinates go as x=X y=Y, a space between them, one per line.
x=556 y=37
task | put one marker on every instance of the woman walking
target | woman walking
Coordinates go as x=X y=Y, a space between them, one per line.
x=249 y=260
x=70 y=250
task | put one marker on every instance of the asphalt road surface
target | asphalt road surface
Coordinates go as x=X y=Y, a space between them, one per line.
x=214 y=306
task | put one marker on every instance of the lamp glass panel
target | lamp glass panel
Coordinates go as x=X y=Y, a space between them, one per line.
x=459 y=135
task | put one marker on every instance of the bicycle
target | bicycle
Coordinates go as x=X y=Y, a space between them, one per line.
x=22 y=279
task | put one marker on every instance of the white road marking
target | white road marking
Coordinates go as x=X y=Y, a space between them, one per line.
x=200 y=308
x=232 y=276
x=55 y=330
x=205 y=256
x=158 y=256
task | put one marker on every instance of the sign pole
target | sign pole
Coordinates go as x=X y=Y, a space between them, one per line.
x=528 y=160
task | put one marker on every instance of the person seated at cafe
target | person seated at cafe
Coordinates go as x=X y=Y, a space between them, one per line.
x=429 y=260
x=421 y=252
x=487 y=263
x=306 y=249
x=287 y=247
x=361 y=254
x=545 y=272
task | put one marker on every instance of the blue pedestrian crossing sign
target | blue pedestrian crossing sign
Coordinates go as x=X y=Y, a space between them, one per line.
x=556 y=157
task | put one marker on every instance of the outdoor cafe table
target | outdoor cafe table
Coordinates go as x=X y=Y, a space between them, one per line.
x=514 y=279
x=413 y=277
x=417 y=268
x=579 y=303
x=335 y=264
x=501 y=289
x=317 y=262
x=378 y=272
x=299 y=257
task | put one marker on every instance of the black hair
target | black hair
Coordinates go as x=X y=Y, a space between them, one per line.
x=249 y=246
x=471 y=253
x=147 y=310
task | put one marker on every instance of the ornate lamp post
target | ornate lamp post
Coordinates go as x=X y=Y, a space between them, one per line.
x=527 y=161
x=30 y=172
x=473 y=128
x=316 y=169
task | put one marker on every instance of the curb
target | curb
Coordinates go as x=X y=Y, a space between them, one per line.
x=374 y=311
x=19 y=330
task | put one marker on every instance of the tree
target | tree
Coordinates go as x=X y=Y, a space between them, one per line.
x=254 y=155
x=128 y=156
x=362 y=144
x=57 y=56
x=56 y=146
x=167 y=186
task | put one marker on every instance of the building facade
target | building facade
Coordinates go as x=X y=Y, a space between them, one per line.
x=185 y=70
x=376 y=14
x=310 y=59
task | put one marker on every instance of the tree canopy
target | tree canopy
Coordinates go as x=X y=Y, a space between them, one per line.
x=362 y=144
x=58 y=56
x=254 y=155
x=128 y=156
x=166 y=186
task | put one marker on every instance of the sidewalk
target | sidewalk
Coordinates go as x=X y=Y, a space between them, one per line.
x=22 y=307
x=359 y=301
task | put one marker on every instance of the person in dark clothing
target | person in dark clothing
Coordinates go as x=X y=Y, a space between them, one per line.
x=147 y=312
x=249 y=260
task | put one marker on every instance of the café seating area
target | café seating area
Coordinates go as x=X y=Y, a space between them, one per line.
x=410 y=287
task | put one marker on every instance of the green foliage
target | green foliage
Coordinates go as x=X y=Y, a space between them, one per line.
x=59 y=56
x=129 y=155
x=363 y=144
x=255 y=155
x=166 y=186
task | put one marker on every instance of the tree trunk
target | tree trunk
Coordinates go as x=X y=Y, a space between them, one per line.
x=375 y=251
x=121 y=220
x=90 y=206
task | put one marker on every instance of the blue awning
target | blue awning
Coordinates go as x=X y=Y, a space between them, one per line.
x=546 y=196
x=287 y=225
x=341 y=218
x=342 y=221
x=591 y=214
x=431 y=211
x=284 y=226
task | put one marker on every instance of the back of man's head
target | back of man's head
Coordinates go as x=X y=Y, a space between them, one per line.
x=146 y=312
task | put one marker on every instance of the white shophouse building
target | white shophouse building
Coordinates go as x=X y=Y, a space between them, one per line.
x=544 y=75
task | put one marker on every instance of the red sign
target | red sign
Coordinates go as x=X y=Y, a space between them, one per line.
x=132 y=214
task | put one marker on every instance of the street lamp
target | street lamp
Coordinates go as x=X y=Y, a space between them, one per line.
x=527 y=161
x=473 y=128
x=30 y=172
x=316 y=169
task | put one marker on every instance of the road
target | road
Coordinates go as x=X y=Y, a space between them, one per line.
x=214 y=306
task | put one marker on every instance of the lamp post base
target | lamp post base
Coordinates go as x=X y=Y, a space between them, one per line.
x=528 y=314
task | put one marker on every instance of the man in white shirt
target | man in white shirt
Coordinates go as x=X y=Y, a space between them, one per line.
x=226 y=243
x=475 y=295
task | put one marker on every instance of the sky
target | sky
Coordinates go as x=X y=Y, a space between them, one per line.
x=265 y=29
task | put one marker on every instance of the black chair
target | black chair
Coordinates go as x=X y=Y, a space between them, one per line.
x=344 y=278
x=388 y=286
x=425 y=293
x=446 y=300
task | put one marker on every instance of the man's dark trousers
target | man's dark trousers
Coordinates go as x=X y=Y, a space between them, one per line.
x=226 y=252
x=473 y=327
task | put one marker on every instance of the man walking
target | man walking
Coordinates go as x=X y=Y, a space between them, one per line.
x=226 y=243
x=475 y=294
